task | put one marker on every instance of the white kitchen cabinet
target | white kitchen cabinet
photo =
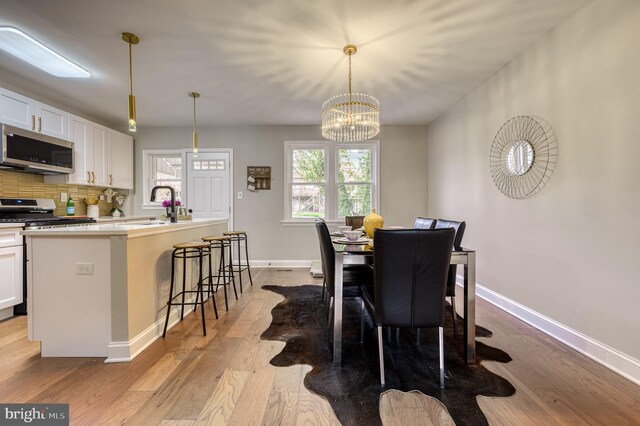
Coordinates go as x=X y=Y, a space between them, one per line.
x=17 y=110
x=120 y=160
x=20 y=111
x=91 y=150
x=11 y=264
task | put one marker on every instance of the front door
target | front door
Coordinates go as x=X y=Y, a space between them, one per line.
x=209 y=185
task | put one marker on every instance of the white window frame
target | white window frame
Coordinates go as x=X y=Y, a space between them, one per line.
x=331 y=177
x=147 y=169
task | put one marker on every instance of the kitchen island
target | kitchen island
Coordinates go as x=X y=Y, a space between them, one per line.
x=101 y=290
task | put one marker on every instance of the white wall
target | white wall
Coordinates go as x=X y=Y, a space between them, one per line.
x=570 y=252
x=403 y=154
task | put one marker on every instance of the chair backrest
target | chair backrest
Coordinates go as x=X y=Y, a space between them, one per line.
x=459 y=228
x=424 y=223
x=410 y=276
x=354 y=222
x=457 y=245
x=327 y=254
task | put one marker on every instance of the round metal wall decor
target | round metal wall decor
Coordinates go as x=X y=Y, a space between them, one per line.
x=523 y=156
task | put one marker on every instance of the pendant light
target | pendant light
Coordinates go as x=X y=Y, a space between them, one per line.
x=195 y=96
x=353 y=116
x=131 y=39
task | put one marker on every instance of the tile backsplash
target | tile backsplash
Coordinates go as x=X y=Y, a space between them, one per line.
x=16 y=184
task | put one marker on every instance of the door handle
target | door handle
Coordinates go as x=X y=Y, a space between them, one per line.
x=110 y=180
x=88 y=177
x=39 y=124
x=33 y=122
x=93 y=177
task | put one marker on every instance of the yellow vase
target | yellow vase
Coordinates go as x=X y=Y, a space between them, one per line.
x=371 y=222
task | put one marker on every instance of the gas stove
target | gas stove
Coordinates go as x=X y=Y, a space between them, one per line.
x=35 y=213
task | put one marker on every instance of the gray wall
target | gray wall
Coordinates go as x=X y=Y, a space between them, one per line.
x=569 y=252
x=403 y=176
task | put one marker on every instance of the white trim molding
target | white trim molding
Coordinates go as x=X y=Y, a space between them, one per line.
x=125 y=351
x=609 y=357
x=279 y=263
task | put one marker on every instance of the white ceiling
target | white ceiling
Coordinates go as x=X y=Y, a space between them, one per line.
x=274 y=61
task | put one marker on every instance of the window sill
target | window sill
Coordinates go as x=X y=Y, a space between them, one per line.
x=309 y=222
x=152 y=207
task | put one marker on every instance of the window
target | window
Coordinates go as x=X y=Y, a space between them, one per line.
x=330 y=180
x=162 y=168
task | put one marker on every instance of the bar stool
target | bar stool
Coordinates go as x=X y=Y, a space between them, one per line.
x=238 y=237
x=221 y=243
x=184 y=251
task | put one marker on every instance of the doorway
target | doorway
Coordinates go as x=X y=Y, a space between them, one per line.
x=210 y=184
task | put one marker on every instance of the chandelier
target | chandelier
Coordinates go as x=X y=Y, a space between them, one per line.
x=353 y=116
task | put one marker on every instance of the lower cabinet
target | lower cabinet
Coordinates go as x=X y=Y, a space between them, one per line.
x=10 y=276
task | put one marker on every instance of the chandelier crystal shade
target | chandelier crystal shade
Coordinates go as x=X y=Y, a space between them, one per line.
x=350 y=117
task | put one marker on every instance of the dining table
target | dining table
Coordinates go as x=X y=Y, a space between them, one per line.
x=363 y=250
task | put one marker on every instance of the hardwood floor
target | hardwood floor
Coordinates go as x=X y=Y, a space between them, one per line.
x=226 y=378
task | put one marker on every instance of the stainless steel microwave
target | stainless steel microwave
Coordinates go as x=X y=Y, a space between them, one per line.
x=24 y=150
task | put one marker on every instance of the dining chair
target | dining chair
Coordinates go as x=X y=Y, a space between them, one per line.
x=459 y=228
x=410 y=270
x=353 y=277
x=424 y=223
x=354 y=222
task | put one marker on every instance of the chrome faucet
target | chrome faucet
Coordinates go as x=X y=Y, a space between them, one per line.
x=173 y=215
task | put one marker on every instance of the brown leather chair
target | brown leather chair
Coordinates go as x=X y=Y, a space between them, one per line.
x=424 y=223
x=459 y=228
x=410 y=269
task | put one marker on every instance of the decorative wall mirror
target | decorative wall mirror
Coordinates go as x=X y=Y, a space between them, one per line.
x=523 y=156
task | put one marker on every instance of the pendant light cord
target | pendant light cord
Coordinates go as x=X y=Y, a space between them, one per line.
x=350 y=101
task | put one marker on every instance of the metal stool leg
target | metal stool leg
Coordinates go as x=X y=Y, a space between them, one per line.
x=213 y=298
x=224 y=276
x=246 y=252
x=184 y=280
x=166 y=321
x=200 y=291
x=233 y=279
x=239 y=263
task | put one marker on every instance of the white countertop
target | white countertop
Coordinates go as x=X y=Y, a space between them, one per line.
x=129 y=230
x=12 y=225
x=103 y=219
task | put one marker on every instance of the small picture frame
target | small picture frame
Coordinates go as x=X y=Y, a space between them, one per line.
x=258 y=178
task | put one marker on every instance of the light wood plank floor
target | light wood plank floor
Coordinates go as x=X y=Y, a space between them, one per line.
x=226 y=378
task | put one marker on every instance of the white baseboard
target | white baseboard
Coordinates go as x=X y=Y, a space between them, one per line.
x=279 y=263
x=125 y=351
x=609 y=357
x=6 y=313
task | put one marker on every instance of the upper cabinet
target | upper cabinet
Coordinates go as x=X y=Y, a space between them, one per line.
x=102 y=157
x=120 y=168
x=20 y=111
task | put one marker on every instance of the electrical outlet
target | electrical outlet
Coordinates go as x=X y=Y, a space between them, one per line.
x=239 y=195
x=101 y=198
x=84 y=268
x=63 y=197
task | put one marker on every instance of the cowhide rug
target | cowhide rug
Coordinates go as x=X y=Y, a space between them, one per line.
x=354 y=389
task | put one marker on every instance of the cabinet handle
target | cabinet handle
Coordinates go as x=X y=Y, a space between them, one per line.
x=33 y=122
x=88 y=177
x=39 y=124
x=110 y=180
x=93 y=177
